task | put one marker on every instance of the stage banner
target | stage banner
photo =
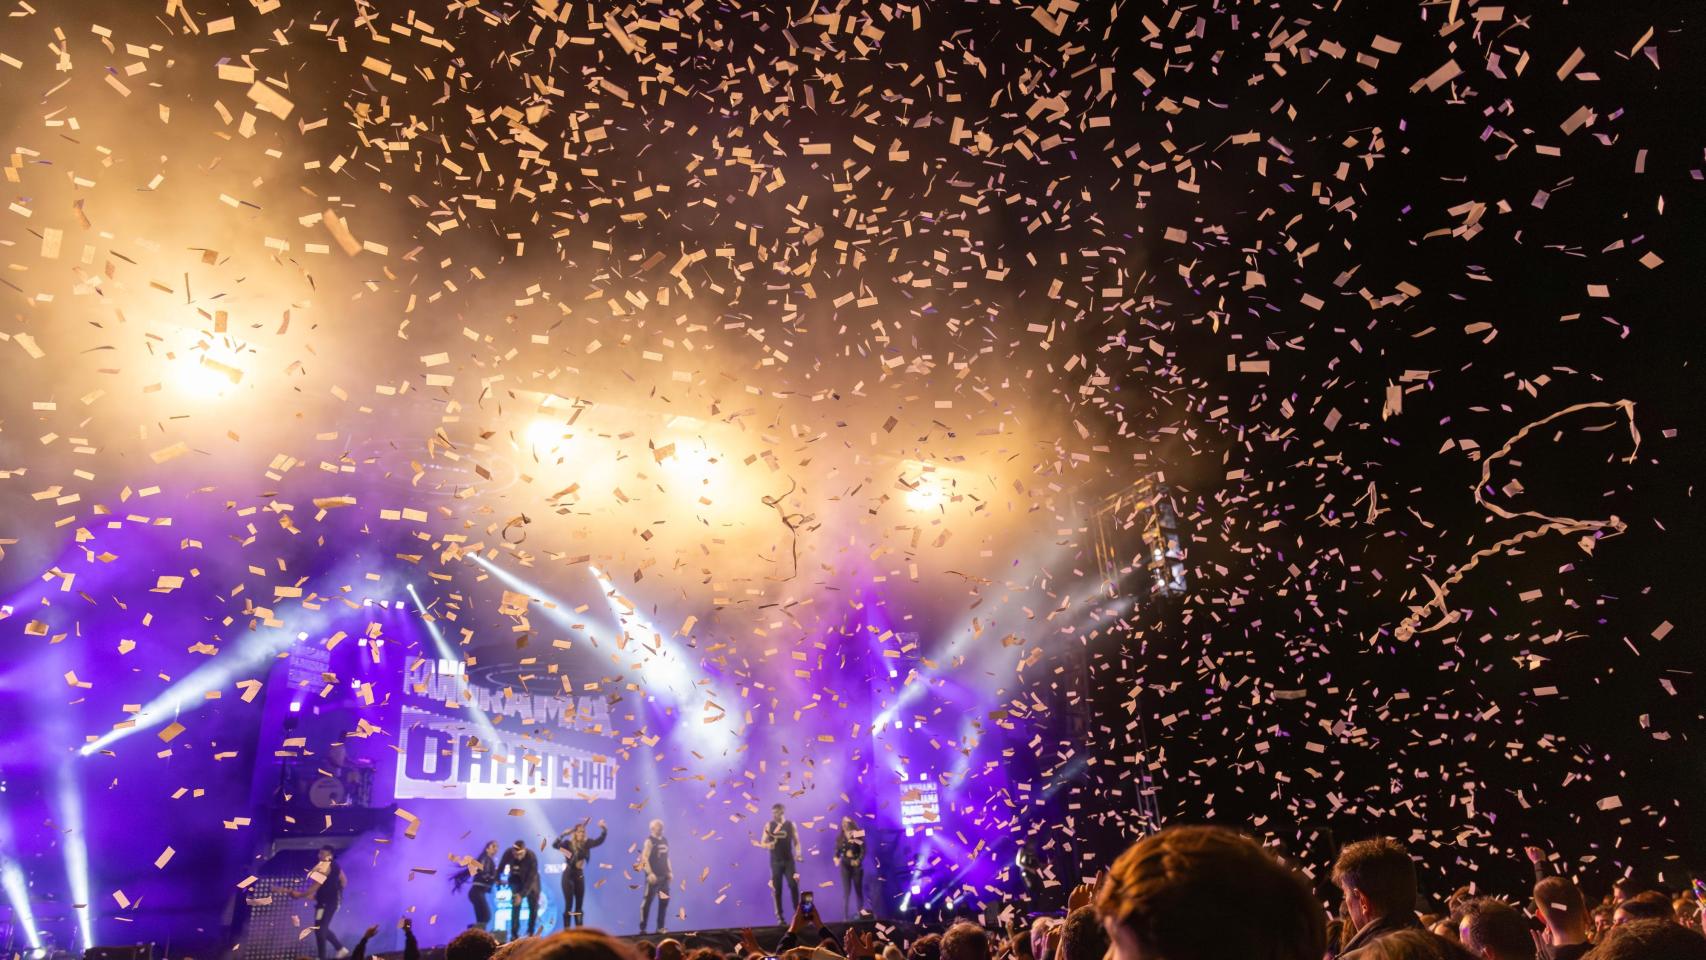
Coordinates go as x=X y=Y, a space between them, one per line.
x=554 y=747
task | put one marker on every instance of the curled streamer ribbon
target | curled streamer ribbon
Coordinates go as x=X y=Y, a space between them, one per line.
x=1549 y=524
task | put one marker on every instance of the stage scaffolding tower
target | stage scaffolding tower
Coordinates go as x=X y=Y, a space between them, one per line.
x=1140 y=557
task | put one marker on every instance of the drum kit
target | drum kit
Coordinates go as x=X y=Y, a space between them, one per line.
x=348 y=786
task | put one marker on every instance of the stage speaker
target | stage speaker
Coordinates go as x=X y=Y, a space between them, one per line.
x=138 y=951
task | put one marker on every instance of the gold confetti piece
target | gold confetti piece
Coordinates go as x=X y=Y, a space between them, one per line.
x=341 y=233
x=270 y=100
x=171 y=731
x=172 y=452
x=164 y=858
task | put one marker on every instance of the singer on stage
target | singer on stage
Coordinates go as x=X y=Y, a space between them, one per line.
x=850 y=857
x=326 y=886
x=784 y=843
x=481 y=873
x=654 y=863
x=576 y=849
x=523 y=869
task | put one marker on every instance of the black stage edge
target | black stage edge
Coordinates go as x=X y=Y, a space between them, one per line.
x=725 y=939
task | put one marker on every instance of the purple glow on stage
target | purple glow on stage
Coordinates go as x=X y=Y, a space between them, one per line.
x=408 y=720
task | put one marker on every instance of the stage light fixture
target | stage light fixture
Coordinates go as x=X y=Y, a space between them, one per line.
x=546 y=434
x=929 y=491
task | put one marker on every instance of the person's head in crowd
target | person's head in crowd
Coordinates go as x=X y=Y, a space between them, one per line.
x=927 y=947
x=1378 y=879
x=580 y=944
x=506 y=951
x=1443 y=927
x=1416 y=945
x=1623 y=889
x=705 y=953
x=1082 y=937
x=1043 y=929
x=892 y=952
x=1560 y=905
x=669 y=948
x=1494 y=930
x=471 y=944
x=646 y=949
x=1602 y=915
x=965 y=941
x=1202 y=893
x=1650 y=940
x=1651 y=905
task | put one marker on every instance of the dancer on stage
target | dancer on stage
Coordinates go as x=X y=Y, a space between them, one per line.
x=850 y=857
x=326 y=885
x=576 y=849
x=523 y=869
x=654 y=863
x=482 y=873
x=784 y=843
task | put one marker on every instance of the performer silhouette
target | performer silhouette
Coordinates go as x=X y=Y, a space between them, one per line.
x=576 y=849
x=326 y=886
x=783 y=839
x=850 y=857
x=654 y=863
x=523 y=869
x=481 y=875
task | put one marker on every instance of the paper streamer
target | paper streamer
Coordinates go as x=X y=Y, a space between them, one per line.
x=1549 y=524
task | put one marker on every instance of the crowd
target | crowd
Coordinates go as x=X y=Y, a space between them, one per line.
x=1208 y=893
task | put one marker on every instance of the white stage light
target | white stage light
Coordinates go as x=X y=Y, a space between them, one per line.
x=15 y=885
x=930 y=490
x=76 y=849
x=192 y=690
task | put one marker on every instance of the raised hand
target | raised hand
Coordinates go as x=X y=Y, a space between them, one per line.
x=1081 y=895
x=859 y=945
x=1535 y=854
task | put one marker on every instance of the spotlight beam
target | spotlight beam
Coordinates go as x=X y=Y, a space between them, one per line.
x=15 y=885
x=192 y=690
x=483 y=723
x=76 y=850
